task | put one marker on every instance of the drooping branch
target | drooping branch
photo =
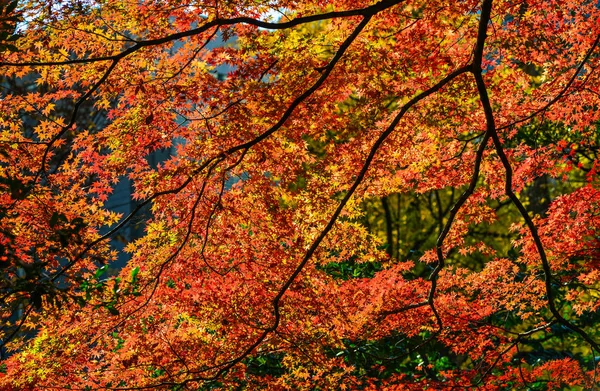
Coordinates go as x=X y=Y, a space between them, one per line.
x=550 y=298
x=508 y=189
x=217 y=22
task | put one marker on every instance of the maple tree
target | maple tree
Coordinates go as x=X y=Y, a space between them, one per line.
x=379 y=194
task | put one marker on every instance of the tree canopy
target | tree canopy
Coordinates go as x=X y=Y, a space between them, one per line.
x=357 y=195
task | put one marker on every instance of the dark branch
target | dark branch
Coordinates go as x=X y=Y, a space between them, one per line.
x=508 y=188
x=364 y=12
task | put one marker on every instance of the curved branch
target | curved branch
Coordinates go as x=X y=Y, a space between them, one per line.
x=508 y=189
x=364 y=12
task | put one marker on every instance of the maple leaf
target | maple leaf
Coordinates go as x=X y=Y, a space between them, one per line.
x=299 y=195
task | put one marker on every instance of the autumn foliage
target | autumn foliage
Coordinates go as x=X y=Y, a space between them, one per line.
x=297 y=130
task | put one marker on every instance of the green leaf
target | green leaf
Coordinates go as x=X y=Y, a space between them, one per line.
x=100 y=272
x=116 y=286
x=134 y=274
